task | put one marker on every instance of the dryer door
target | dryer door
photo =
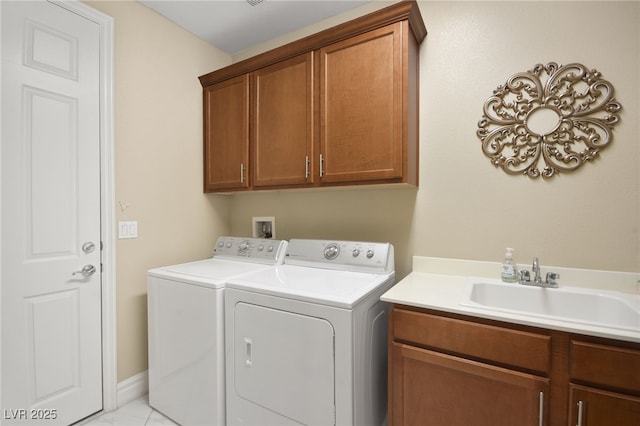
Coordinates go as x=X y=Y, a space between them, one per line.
x=284 y=362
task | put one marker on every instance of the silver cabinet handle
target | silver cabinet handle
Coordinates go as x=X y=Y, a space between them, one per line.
x=86 y=271
x=321 y=165
x=306 y=167
x=241 y=173
x=580 y=412
x=541 y=410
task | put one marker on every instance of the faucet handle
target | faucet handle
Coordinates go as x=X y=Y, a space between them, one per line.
x=524 y=276
x=552 y=277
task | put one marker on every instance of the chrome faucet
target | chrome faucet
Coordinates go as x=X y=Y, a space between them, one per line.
x=535 y=268
x=550 y=281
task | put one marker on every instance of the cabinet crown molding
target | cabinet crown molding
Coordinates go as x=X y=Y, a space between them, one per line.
x=402 y=11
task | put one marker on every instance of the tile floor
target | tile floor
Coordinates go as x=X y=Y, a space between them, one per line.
x=135 y=413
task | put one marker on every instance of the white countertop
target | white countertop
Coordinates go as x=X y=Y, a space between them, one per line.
x=441 y=284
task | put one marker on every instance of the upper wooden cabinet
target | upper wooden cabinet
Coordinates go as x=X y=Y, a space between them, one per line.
x=282 y=123
x=336 y=108
x=226 y=135
x=361 y=108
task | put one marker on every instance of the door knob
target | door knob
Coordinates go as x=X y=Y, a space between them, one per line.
x=88 y=247
x=86 y=271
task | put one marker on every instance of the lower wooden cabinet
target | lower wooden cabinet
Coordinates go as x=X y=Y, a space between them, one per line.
x=605 y=385
x=455 y=370
x=438 y=389
x=595 y=407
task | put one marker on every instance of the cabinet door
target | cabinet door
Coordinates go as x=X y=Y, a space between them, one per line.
x=430 y=388
x=282 y=127
x=593 y=407
x=361 y=107
x=226 y=135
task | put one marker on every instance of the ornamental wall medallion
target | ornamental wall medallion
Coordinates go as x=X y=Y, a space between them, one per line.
x=553 y=116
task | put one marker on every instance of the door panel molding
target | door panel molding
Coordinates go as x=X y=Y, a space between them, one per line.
x=40 y=39
x=52 y=227
x=59 y=367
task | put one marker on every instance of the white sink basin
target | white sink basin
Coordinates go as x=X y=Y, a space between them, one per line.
x=595 y=307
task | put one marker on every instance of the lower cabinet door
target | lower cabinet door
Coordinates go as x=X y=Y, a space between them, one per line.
x=594 y=407
x=431 y=388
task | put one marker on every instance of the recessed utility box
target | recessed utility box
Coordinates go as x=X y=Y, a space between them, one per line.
x=264 y=227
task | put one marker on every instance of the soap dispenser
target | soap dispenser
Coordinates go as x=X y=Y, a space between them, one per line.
x=509 y=272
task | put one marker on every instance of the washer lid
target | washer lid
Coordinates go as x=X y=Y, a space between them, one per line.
x=210 y=272
x=343 y=289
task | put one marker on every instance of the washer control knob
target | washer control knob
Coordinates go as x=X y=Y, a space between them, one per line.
x=355 y=252
x=370 y=254
x=229 y=244
x=260 y=247
x=244 y=246
x=331 y=251
x=269 y=248
x=221 y=244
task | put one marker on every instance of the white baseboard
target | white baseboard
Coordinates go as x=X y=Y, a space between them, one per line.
x=132 y=388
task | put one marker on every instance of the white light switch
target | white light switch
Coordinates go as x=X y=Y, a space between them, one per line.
x=128 y=229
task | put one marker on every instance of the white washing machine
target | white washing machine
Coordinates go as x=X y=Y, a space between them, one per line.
x=306 y=341
x=186 y=328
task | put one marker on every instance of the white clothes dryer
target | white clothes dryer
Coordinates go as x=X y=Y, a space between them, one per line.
x=186 y=328
x=306 y=341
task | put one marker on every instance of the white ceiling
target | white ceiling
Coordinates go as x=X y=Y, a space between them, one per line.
x=234 y=25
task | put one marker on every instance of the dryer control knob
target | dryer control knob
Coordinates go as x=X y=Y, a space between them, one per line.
x=370 y=254
x=355 y=252
x=269 y=248
x=331 y=251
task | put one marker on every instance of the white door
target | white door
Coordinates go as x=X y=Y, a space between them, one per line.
x=284 y=363
x=51 y=257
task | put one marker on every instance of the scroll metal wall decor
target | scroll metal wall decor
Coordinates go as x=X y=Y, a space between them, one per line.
x=559 y=115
